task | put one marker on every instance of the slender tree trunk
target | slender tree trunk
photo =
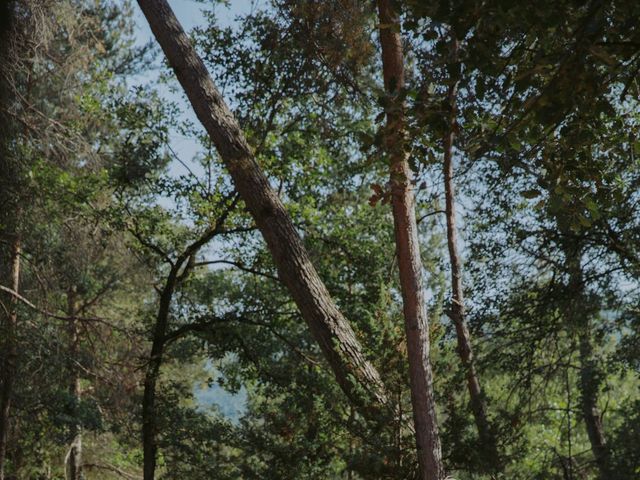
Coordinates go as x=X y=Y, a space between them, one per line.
x=149 y=423
x=9 y=367
x=74 y=457
x=580 y=316
x=354 y=373
x=408 y=250
x=488 y=441
x=159 y=341
x=589 y=387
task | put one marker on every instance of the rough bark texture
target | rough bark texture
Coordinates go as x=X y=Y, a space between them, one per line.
x=74 y=456
x=10 y=351
x=487 y=438
x=355 y=375
x=408 y=251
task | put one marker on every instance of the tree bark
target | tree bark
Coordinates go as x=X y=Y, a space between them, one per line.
x=74 y=456
x=354 y=373
x=408 y=251
x=487 y=438
x=9 y=367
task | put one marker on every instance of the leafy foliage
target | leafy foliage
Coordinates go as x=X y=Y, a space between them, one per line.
x=108 y=210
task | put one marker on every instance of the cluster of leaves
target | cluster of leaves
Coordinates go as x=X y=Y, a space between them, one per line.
x=546 y=149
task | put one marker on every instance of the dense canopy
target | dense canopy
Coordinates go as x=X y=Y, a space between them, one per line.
x=324 y=240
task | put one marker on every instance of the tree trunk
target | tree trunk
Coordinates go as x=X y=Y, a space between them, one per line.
x=580 y=316
x=488 y=442
x=10 y=349
x=159 y=341
x=589 y=387
x=149 y=424
x=355 y=374
x=408 y=250
x=74 y=456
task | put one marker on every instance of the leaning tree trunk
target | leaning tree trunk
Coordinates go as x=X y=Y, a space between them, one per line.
x=488 y=442
x=10 y=349
x=74 y=456
x=408 y=250
x=356 y=376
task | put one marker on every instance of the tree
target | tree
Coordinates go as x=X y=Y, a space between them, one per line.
x=54 y=171
x=488 y=442
x=180 y=268
x=148 y=301
x=333 y=333
x=408 y=250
